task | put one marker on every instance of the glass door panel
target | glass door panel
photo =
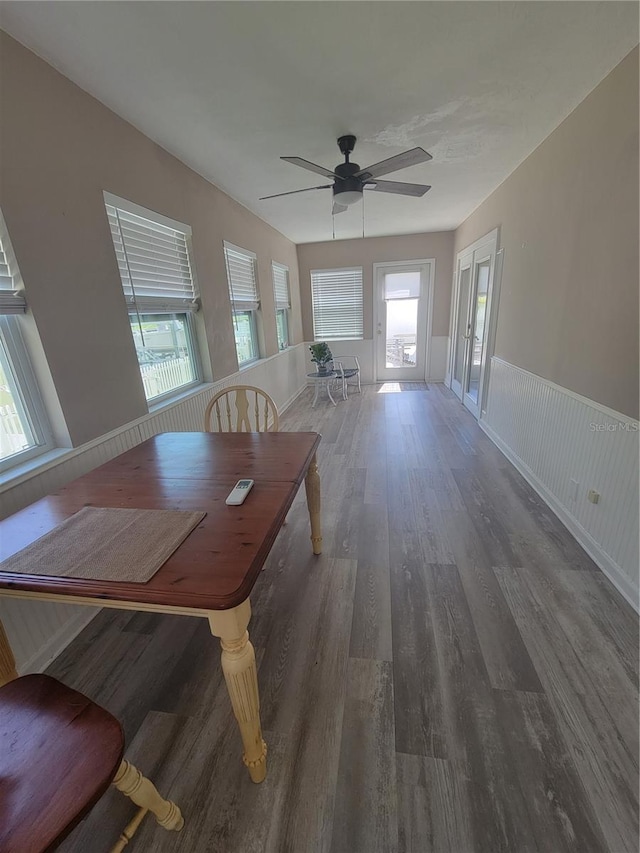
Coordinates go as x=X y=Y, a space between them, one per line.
x=461 y=328
x=401 y=310
x=401 y=333
x=478 y=328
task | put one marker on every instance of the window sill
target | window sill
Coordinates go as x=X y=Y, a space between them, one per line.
x=178 y=397
x=247 y=364
x=15 y=475
x=39 y=464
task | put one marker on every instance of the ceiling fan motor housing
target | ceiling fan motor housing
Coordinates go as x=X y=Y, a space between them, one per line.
x=349 y=188
x=348 y=185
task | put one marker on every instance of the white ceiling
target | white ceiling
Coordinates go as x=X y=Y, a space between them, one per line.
x=228 y=87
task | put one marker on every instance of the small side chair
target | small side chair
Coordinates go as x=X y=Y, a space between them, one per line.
x=241 y=408
x=347 y=367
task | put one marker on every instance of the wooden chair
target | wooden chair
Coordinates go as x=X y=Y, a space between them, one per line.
x=241 y=408
x=59 y=752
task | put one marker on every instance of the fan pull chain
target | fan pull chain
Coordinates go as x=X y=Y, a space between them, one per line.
x=363 y=195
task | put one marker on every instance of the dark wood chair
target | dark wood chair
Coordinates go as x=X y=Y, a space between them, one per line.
x=59 y=752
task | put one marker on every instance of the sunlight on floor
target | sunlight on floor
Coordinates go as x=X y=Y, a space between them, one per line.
x=389 y=388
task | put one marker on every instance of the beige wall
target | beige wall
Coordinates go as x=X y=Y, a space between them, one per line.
x=568 y=220
x=59 y=149
x=365 y=252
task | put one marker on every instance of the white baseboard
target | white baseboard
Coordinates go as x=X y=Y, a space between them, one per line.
x=293 y=398
x=611 y=569
x=437 y=361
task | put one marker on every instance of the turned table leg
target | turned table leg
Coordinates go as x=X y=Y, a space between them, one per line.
x=239 y=668
x=7 y=661
x=312 y=487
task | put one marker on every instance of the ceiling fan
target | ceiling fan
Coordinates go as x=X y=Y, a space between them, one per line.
x=350 y=180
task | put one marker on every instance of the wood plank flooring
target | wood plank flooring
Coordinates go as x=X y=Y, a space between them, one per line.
x=453 y=674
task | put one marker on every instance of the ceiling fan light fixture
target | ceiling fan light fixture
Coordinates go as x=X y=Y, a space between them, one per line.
x=348 y=197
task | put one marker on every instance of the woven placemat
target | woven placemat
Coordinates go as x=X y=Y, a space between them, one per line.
x=106 y=544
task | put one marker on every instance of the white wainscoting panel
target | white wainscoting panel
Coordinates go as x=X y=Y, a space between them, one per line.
x=38 y=631
x=364 y=350
x=437 y=367
x=554 y=436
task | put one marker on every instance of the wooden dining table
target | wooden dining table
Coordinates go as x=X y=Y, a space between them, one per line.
x=213 y=571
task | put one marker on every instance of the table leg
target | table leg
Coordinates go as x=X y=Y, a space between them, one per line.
x=7 y=661
x=312 y=487
x=239 y=668
x=329 y=391
x=315 y=396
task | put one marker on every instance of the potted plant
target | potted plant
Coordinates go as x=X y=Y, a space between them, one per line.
x=321 y=355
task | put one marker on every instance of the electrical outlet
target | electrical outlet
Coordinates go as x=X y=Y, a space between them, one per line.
x=593 y=496
x=573 y=490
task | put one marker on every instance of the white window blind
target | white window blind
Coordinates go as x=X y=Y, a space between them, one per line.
x=281 y=286
x=337 y=304
x=12 y=300
x=241 y=275
x=154 y=262
x=402 y=285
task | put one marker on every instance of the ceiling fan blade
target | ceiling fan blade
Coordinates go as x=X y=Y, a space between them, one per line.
x=311 y=167
x=338 y=208
x=293 y=192
x=398 y=187
x=393 y=164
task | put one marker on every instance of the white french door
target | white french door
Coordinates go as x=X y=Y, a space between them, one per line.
x=461 y=323
x=470 y=330
x=403 y=295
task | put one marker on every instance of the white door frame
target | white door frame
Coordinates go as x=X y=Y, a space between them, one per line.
x=481 y=250
x=430 y=264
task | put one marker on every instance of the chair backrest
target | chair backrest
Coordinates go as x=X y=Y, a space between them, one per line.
x=241 y=408
x=347 y=362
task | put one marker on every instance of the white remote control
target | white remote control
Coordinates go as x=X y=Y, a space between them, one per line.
x=239 y=493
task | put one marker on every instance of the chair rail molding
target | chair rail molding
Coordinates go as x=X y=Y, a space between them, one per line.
x=566 y=445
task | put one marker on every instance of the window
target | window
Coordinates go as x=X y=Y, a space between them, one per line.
x=281 y=297
x=245 y=301
x=337 y=304
x=155 y=268
x=24 y=430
